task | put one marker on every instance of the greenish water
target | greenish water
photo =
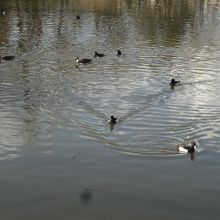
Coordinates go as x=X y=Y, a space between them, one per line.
x=59 y=159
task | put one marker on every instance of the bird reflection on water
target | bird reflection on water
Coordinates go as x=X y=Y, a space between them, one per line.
x=111 y=126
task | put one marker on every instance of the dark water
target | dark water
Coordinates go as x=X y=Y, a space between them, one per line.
x=58 y=157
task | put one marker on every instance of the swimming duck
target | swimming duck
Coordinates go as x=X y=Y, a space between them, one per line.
x=2 y=13
x=96 y=54
x=84 y=61
x=7 y=58
x=119 y=53
x=77 y=17
x=189 y=147
x=112 y=120
x=173 y=82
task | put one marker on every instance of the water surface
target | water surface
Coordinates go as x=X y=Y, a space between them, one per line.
x=60 y=159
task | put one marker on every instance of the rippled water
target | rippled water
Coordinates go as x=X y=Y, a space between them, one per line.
x=54 y=113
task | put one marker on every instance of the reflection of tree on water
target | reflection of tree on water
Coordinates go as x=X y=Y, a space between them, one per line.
x=154 y=17
x=167 y=19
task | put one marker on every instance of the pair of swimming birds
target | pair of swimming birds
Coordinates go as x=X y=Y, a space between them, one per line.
x=86 y=60
x=96 y=54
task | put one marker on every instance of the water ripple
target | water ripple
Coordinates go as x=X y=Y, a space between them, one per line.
x=42 y=89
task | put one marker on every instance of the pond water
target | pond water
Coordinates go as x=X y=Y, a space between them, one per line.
x=59 y=158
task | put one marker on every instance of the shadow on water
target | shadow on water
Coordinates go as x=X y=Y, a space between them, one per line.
x=86 y=196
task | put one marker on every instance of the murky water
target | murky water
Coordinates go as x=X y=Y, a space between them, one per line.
x=59 y=158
